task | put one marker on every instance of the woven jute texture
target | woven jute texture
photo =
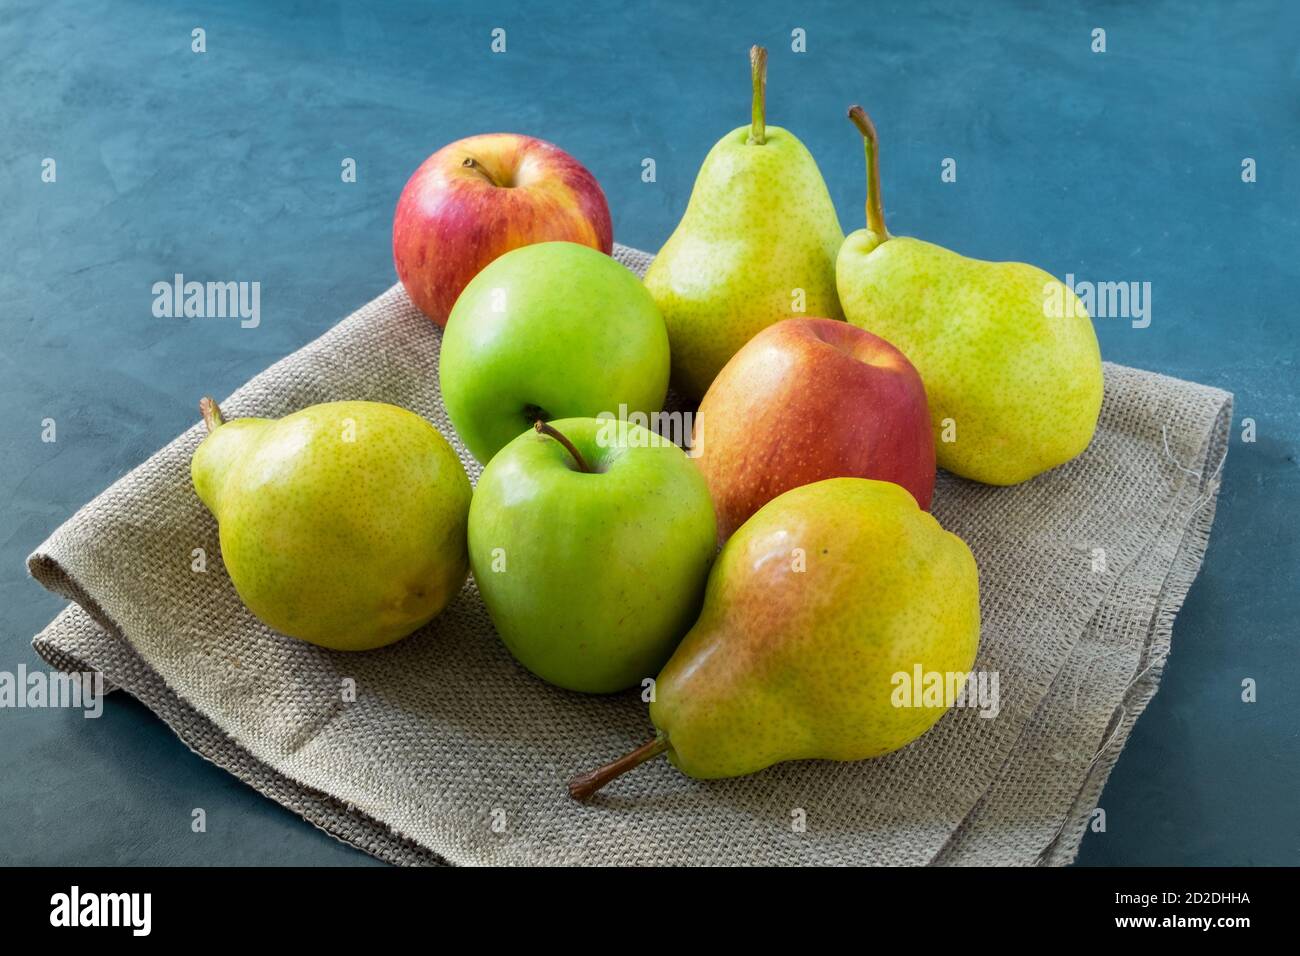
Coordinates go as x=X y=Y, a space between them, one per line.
x=451 y=752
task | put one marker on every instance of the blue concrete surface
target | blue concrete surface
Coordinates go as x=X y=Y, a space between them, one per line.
x=1119 y=166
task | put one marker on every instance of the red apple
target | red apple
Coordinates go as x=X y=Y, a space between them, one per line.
x=807 y=399
x=478 y=198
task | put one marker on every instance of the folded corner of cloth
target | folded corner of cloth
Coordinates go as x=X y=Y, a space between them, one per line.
x=1082 y=571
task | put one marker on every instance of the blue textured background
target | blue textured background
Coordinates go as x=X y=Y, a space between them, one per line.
x=1117 y=166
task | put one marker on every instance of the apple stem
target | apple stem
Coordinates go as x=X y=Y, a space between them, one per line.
x=544 y=429
x=211 y=413
x=875 y=206
x=472 y=163
x=758 y=71
x=584 y=785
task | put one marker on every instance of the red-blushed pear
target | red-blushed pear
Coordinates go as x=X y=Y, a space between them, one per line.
x=805 y=400
x=815 y=613
x=478 y=198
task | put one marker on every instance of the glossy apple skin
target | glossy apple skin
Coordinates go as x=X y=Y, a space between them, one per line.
x=592 y=578
x=453 y=219
x=808 y=399
x=552 y=330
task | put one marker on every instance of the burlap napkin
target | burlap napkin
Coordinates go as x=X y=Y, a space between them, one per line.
x=451 y=752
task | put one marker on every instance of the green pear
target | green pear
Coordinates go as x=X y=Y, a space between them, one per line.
x=1007 y=352
x=343 y=524
x=757 y=244
x=813 y=610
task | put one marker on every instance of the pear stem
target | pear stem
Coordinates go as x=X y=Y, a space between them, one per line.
x=544 y=429
x=211 y=413
x=758 y=71
x=875 y=206
x=584 y=785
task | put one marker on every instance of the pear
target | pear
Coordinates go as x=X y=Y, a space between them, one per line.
x=343 y=524
x=756 y=244
x=812 y=611
x=1007 y=353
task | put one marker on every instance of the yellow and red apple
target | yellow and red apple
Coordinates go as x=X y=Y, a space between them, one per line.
x=808 y=399
x=477 y=199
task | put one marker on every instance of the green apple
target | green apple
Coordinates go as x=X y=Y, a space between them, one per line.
x=551 y=330
x=591 y=542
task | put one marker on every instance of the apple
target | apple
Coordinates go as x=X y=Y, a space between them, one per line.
x=553 y=330
x=591 y=542
x=480 y=197
x=808 y=399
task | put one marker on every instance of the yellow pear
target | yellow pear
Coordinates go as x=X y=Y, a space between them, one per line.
x=1007 y=353
x=756 y=245
x=343 y=524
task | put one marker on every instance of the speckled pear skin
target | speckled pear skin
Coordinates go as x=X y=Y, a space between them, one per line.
x=759 y=224
x=786 y=664
x=349 y=544
x=1022 y=383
